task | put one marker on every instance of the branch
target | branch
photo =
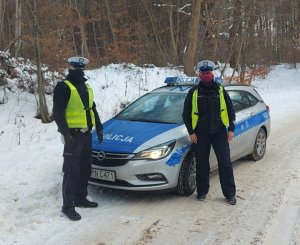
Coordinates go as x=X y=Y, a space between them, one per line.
x=297 y=43
x=11 y=43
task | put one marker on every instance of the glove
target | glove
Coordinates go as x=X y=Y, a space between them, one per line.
x=69 y=141
x=100 y=135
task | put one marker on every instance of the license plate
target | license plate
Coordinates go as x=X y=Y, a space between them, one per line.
x=103 y=174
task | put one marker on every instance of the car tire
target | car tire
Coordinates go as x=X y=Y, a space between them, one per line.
x=259 y=147
x=187 y=177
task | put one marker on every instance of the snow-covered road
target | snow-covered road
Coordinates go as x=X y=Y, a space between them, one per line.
x=267 y=212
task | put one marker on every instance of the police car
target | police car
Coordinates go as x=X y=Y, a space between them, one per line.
x=146 y=146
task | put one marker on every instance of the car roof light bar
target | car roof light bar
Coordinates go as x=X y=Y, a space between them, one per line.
x=181 y=80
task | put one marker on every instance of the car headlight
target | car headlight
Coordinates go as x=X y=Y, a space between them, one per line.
x=156 y=152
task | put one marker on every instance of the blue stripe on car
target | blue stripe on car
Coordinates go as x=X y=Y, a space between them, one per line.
x=240 y=128
x=251 y=122
x=177 y=155
x=126 y=136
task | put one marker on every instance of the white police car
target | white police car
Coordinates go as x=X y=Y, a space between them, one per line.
x=146 y=146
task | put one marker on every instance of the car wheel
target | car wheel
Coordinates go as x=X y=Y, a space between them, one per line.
x=187 y=177
x=260 y=144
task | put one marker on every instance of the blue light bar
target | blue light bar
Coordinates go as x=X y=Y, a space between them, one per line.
x=218 y=80
x=181 y=80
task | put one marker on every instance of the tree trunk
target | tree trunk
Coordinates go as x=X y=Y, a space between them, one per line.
x=18 y=26
x=110 y=21
x=96 y=42
x=189 y=54
x=84 y=47
x=43 y=109
x=173 y=36
x=112 y=26
x=235 y=31
x=2 y=11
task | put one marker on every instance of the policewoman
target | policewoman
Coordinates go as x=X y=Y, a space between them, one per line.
x=75 y=114
x=209 y=117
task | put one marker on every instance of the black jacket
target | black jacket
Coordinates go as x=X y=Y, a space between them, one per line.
x=208 y=108
x=61 y=98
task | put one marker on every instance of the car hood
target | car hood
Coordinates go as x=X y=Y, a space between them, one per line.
x=126 y=136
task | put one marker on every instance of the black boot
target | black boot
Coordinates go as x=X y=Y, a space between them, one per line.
x=71 y=213
x=85 y=203
x=231 y=200
x=201 y=196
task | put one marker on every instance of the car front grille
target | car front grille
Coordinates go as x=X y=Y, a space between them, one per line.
x=110 y=159
x=122 y=183
x=116 y=183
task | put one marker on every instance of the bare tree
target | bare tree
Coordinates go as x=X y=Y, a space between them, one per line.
x=159 y=32
x=2 y=12
x=155 y=30
x=42 y=107
x=110 y=20
x=18 y=27
x=235 y=32
x=189 y=55
x=84 y=47
x=174 y=26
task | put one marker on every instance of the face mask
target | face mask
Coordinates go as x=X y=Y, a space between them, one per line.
x=206 y=77
x=78 y=72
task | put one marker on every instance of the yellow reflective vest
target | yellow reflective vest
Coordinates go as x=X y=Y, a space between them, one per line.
x=75 y=111
x=223 y=108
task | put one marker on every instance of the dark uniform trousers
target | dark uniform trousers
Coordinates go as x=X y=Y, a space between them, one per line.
x=77 y=169
x=221 y=148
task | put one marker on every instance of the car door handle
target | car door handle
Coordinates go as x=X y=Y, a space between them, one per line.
x=251 y=114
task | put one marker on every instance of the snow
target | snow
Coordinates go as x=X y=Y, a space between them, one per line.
x=31 y=176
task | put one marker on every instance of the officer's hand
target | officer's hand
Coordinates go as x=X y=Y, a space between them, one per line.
x=193 y=138
x=100 y=135
x=69 y=140
x=230 y=135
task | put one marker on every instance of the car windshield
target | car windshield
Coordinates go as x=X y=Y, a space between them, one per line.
x=155 y=107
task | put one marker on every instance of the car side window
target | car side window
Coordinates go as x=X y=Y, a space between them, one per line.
x=253 y=101
x=236 y=98
x=241 y=99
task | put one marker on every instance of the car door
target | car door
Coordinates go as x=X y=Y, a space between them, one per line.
x=233 y=149
x=246 y=109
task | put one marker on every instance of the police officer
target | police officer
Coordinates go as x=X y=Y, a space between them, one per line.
x=75 y=114
x=209 y=117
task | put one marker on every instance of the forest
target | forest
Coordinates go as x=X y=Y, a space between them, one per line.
x=242 y=33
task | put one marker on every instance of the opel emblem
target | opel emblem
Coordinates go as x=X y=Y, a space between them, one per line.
x=101 y=156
